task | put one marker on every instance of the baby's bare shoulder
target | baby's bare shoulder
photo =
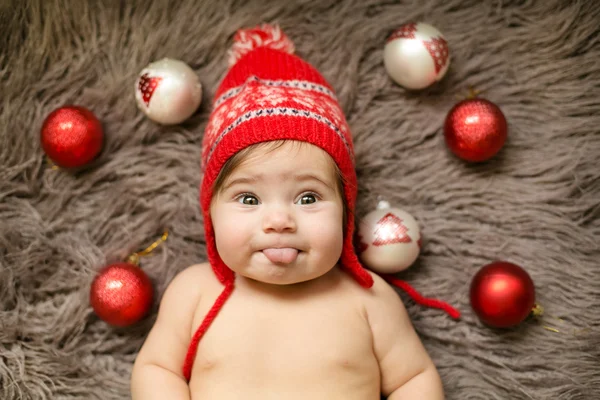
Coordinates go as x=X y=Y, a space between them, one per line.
x=381 y=299
x=194 y=273
x=380 y=291
x=377 y=302
x=189 y=284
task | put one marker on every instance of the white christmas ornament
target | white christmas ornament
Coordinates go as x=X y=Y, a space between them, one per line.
x=389 y=239
x=416 y=55
x=168 y=91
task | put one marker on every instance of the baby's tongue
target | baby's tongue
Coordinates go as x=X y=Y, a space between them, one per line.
x=285 y=255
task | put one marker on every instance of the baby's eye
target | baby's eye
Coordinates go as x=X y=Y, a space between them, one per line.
x=248 y=199
x=307 y=198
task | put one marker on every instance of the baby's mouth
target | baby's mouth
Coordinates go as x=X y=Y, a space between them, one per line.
x=284 y=255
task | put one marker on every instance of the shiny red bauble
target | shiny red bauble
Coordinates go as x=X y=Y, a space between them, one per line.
x=121 y=294
x=71 y=136
x=502 y=294
x=475 y=129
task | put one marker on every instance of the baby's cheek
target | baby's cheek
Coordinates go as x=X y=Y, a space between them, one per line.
x=327 y=234
x=229 y=234
x=229 y=246
x=225 y=235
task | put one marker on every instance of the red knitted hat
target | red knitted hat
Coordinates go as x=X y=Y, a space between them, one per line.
x=270 y=94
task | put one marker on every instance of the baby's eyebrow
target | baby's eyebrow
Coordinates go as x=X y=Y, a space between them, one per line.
x=312 y=177
x=239 y=181
x=260 y=177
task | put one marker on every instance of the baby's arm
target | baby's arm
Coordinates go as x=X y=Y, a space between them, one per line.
x=157 y=372
x=407 y=372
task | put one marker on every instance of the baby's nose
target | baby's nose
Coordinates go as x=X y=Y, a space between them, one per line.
x=279 y=219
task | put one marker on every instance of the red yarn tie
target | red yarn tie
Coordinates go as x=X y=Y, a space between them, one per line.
x=191 y=354
x=424 y=301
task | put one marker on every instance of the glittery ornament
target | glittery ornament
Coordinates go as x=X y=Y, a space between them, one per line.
x=502 y=294
x=71 y=136
x=389 y=239
x=121 y=294
x=168 y=91
x=416 y=55
x=475 y=129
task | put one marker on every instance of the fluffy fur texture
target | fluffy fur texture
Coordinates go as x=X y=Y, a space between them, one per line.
x=536 y=204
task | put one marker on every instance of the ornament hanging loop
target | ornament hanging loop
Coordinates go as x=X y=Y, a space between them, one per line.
x=473 y=93
x=51 y=164
x=538 y=311
x=382 y=203
x=135 y=257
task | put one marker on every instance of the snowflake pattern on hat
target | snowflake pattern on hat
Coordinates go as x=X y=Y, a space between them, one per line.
x=255 y=95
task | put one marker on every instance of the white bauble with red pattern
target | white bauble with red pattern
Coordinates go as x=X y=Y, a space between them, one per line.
x=168 y=91
x=389 y=239
x=416 y=55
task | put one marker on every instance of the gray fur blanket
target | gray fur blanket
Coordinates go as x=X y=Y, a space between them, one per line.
x=536 y=204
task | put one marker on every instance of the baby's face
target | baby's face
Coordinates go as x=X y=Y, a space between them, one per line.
x=278 y=218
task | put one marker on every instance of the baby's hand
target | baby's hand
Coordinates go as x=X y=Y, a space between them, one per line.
x=407 y=372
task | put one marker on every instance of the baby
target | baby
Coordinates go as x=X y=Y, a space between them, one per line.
x=283 y=309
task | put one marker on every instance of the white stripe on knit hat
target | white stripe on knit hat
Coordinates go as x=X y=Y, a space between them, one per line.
x=277 y=111
x=256 y=99
x=296 y=84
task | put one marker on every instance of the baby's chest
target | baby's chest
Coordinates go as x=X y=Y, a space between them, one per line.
x=287 y=338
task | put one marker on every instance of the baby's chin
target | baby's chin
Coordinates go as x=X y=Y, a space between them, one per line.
x=279 y=275
x=278 y=280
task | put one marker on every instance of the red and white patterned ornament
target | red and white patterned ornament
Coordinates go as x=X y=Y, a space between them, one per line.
x=168 y=91
x=389 y=239
x=416 y=55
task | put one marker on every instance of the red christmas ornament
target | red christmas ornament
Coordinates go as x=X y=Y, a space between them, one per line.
x=71 y=136
x=121 y=294
x=502 y=294
x=475 y=129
